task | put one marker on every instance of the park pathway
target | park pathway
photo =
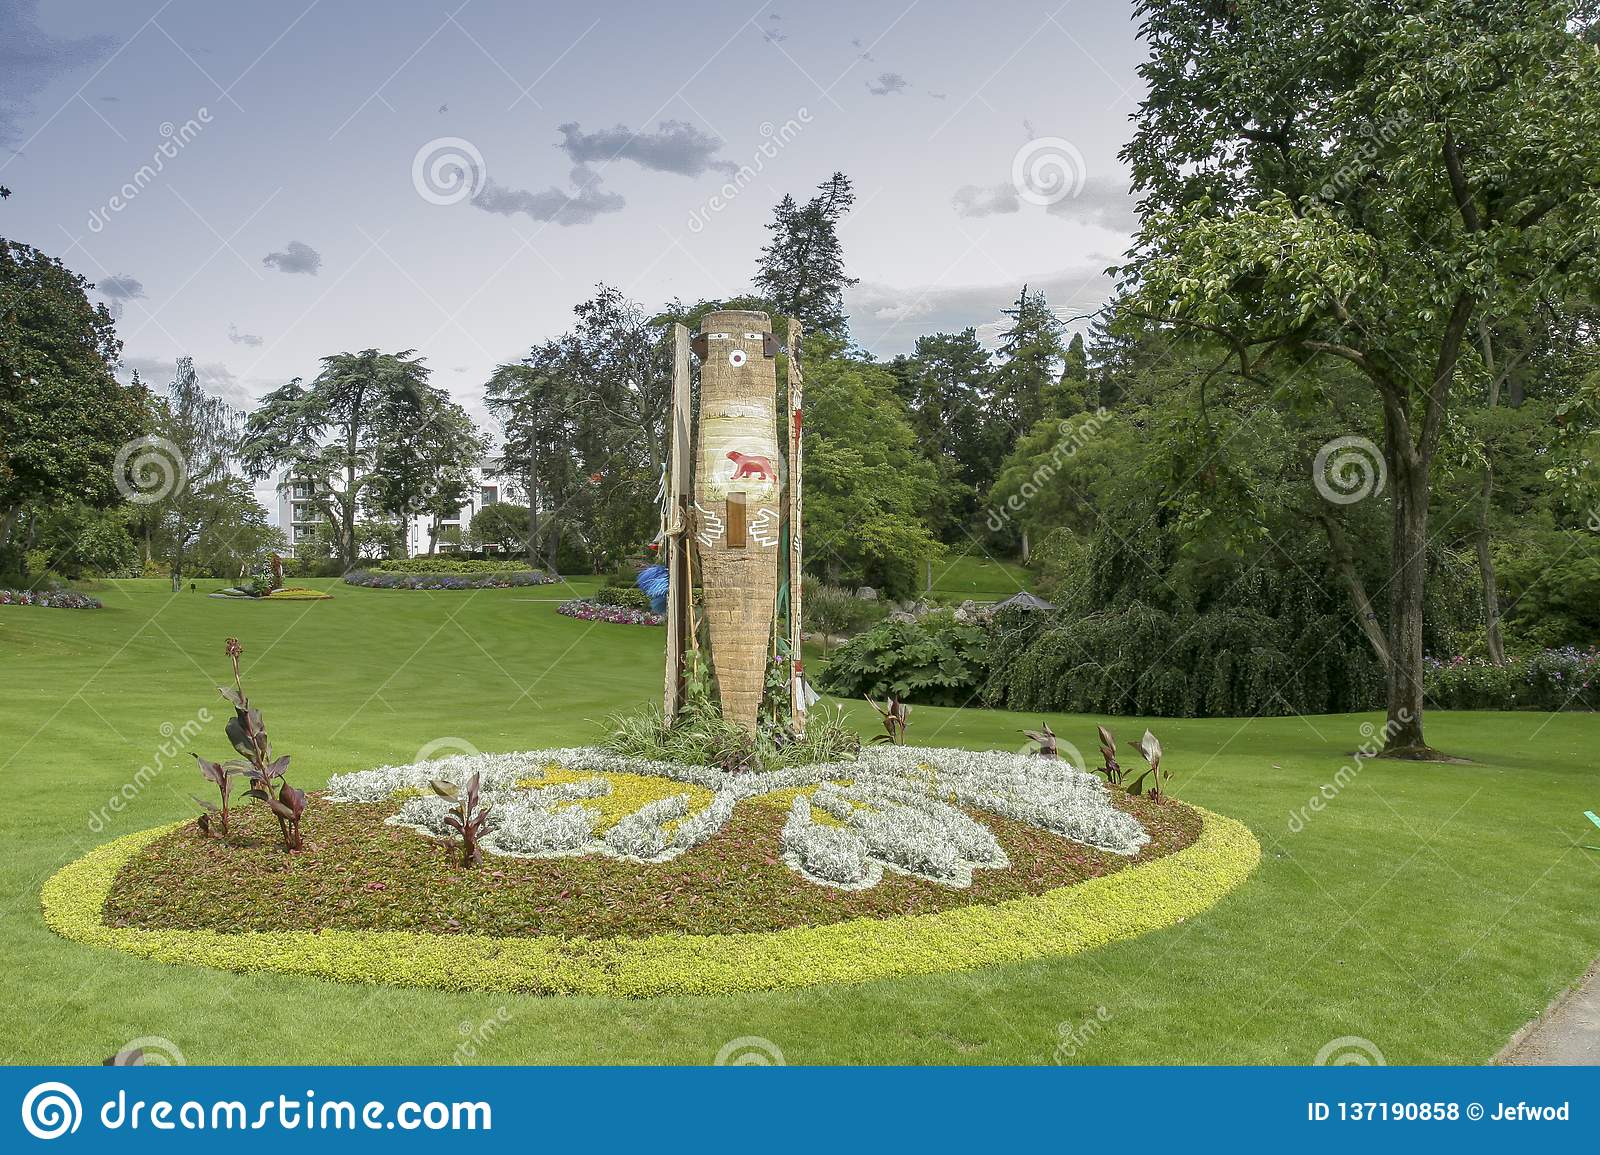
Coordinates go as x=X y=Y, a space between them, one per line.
x=1567 y=1033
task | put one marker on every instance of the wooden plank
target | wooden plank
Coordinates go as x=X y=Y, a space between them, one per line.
x=675 y=527
x=735 y=507
x=797 y=677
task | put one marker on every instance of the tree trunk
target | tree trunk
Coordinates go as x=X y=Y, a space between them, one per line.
x=1491 y=585
x=1344 y=564
x=1409 y=567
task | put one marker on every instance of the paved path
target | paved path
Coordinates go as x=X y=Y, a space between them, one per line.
x=1567 y=1033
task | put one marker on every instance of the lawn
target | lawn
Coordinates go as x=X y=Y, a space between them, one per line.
x=1430 y=909
x=955 y=579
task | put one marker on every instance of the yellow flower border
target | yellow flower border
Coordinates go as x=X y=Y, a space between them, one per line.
x=1063 y=921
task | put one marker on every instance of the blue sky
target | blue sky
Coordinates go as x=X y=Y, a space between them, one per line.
x=272 y=151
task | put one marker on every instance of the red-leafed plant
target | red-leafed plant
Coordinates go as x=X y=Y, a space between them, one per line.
x=215 y=815
x=1044 y=740
x=1108 y=752
x=469 y=818
x=896 y=717
x=1150 y=750
x=265 y=774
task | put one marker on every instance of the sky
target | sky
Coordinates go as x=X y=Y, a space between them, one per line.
x=260 y=185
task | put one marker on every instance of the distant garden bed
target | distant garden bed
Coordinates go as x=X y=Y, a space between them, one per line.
x=281 y=594
x=468 y=580
x=1564 y=679
x=591 y=610
x=437 y=564
x=50 y=599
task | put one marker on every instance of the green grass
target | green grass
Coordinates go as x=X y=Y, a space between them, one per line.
x=1431 y=909
x=955 y=579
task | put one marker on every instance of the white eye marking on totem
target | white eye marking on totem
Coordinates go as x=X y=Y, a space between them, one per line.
x=754 y=336
x=719 y=336
x=737 y=358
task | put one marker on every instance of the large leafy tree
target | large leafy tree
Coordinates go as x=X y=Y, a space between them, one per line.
x=63 y=414
x=1360 y=181
x=199 y=432
x=333 y=431
x=801 y=270
x=1031 y=359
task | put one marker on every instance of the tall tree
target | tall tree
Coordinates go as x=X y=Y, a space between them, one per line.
x=801 y=270
x=1357 y=194
x=329 y=432
x=63 y=414
x=199 y=431
x=1030 y=361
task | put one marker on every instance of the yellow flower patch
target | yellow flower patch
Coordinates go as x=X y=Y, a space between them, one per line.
x=629 y=792
x=1065 y=921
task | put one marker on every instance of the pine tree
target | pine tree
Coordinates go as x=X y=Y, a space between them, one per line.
x=1031 y=357
x=801 y=270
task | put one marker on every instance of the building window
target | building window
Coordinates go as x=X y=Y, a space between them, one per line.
x=488 y=495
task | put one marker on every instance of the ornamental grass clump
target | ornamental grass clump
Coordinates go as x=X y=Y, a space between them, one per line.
x=265 y=774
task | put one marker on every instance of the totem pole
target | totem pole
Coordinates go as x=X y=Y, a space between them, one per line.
x=735 y=523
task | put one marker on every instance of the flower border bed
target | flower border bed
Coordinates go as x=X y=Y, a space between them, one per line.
x=502 y=580
x=589 y=610
x=50 y=599
x=1064 y=921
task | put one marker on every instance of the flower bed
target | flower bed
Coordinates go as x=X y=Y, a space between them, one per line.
x=435 y=564
x=51 y=599
x=281 y=594
x=502 y=579
x=1564 y=679
x=587 y=610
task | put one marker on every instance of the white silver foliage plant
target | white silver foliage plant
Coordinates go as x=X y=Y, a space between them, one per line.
x=894 y=807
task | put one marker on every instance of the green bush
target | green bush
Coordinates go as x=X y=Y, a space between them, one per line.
x=444 y=563
x=1564 y=679
x=833 y=611
x=935 y=661
x=1550 y=586
x=628 y=597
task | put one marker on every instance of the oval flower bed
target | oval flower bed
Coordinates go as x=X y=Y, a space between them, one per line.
x=281 y=594
x=588 y=610
x=504 y=579
x=621 y=877
x=51 y=599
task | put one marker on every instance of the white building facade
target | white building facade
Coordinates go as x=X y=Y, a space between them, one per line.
x=300 y=513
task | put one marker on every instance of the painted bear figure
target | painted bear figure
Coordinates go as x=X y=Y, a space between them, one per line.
x=759 y=467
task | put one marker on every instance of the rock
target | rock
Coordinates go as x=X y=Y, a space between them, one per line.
x=970 y=613
x=867 y=594
x=902 y=616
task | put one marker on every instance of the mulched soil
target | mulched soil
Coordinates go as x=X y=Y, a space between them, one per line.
x=358 y=874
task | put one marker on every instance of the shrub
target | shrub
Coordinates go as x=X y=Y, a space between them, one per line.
x=831 y=611
x=627 y=597
x=1564 y=679
x=449 y=564
x=447 y=581
x=935 y=660
x=51 y=599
